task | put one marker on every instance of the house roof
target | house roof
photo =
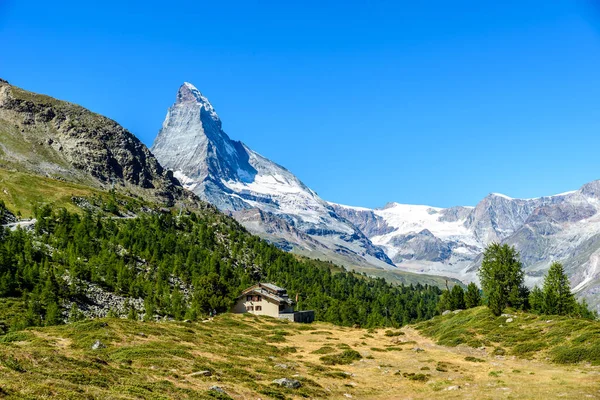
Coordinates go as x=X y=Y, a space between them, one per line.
x=266 y=290
x=268 y=286
x=272 y=287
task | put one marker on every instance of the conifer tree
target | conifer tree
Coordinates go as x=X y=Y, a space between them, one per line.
x=472 y=296
x=501 y=275
x=558 y=299
x=536 y=300
x=457 y=298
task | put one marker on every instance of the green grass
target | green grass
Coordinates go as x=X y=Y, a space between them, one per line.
x=562 y=339
x=324 y=350
x=150 y=360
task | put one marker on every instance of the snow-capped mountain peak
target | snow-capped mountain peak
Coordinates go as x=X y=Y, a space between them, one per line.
x=189 y=94
x=235 y=178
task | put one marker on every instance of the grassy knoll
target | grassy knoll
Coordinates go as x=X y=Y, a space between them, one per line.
x=244 y=354
x=561 y=339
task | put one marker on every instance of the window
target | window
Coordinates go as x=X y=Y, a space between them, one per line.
x=248 y=298
x=249 y=308
x=258 y=308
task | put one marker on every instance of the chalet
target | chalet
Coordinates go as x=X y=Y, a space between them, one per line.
x=271 y=300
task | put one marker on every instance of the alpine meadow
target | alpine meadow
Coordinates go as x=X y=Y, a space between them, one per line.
x=247 y=246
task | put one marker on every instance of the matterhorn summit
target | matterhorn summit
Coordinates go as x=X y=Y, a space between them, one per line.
x=238 y=180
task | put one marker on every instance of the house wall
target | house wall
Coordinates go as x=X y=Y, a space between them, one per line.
x=268 y=307
x=299 y=316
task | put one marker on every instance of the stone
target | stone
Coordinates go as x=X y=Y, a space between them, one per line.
x=446 y=312
x=348 y=395
x=456 y=311
x=282 y=366
x=455 y=387
x=201 y=373
x=98 y=345
x=509 y=320
x=217 y=389
x=288 y=383
x=418 y=349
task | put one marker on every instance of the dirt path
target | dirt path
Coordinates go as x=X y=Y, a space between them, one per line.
x=388 y=362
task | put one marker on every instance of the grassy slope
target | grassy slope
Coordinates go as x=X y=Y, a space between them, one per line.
x=560 y=339
x=21 y=191
x=156 y=360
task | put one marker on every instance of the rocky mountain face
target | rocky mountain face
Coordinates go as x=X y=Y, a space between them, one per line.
x=265 y=197
x=61 y=140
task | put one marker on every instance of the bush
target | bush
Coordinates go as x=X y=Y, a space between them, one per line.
x=416 y=377
x=346 y=357
x=391 y=333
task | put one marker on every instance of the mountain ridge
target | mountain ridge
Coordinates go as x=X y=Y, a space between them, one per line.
x=233 y=177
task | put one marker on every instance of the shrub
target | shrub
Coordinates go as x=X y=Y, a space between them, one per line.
x=391 y=333
x=346 y=357
x=416 y=377
x=473 y=359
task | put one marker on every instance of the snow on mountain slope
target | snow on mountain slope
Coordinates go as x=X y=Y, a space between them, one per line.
x=233 y=177
x=444 y=241
x=450 y=242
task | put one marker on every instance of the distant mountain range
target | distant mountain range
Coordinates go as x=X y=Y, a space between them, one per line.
x=270 y=201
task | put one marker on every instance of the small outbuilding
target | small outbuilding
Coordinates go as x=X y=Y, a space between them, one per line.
x=271 y=300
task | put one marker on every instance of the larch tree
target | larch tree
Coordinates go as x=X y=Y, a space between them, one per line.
x=558 y=299
x=501 y=275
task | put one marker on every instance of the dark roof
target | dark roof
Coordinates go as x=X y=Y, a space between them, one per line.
x=269 y=291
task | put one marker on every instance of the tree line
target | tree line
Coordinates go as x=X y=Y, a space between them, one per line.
x=503 y=285
x=183 y=267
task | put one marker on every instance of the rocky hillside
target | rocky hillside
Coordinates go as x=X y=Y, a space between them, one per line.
x=64 y=141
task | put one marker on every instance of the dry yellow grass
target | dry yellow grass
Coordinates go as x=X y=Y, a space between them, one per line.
x=495 y=377
x=244 y=354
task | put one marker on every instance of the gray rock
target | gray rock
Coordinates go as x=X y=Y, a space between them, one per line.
x=509 y=320
x=217 y=389
x=98 y=345
x=418 y=349
x=446 y=312
x=288 y=383
x=201 y=373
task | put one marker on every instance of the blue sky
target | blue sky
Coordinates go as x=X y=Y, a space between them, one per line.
x=367 y=102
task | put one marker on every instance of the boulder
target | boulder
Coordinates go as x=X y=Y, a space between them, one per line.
x=288 y=383
x=217 y=389
x=201 y=373
x=98 y=345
